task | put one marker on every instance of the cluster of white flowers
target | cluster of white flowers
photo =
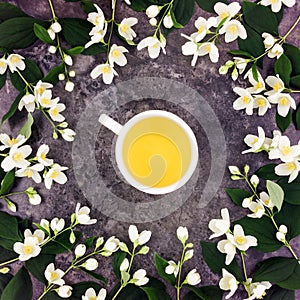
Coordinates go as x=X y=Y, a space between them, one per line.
x=232 y=28
x=153 y=11
x=278 y=147
x=17 y=158
x=14 y=62
x=277 y=4
x=234 y=240
x=116 y=53
x=251 y=97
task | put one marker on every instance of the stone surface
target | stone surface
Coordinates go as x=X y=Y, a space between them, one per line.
x=204 y=78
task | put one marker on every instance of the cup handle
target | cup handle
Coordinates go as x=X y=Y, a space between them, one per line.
x=110 y=123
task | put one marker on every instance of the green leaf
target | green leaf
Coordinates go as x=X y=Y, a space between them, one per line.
x=283 y=67
x=283 y=271
x=37 y=266
x=94 y=275
x=267 y=172
x=7 y=183
x=95 y=49
x=276 y=194
x=6 y=255
x=75 y=50
x=278 y=293
x=240 y=53
x=237 y=195
x=293 y=53
x=43 y=34
x=155 y=294
x=264 y=231
x=284 y=122
x=295 y=81
x=7 y=244
x=216 y=260
x=52 y=76
x=279 y=15
x=183 y=10
x=204 y=293
x=160 y=265
x=297 y=118
x=90 y=241
x=2 y=80
x=8 y=11
x=19 y=287
x=130 y=292
x=254 y=72
x=32 y=74
x=253 y=44
x=4 y=280
x=118 y=258
x=26 y=129
x=18 y=33
x=87 y=6
x=175 y=23
x=9 y=227
x=260 y=18
x=140 y=5
x=13 y=107
x=209 y=5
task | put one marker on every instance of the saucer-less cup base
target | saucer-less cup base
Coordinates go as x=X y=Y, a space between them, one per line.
x=138 y=134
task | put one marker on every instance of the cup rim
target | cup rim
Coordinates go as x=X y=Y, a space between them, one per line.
x=119 y=155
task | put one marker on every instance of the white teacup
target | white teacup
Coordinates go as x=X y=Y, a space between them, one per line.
x=156 y=151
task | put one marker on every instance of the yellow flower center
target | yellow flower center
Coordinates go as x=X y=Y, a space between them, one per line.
x=267 y=201
x=28 y=173
x=41 y=90
x=233 y=29
x=12 y=141
x=254 y=141
x=18 y=157
x=106 y=69
x=291 y=166
x=93 y=298
x=256 y=209
x=2 y=64
x=45 y=101
x=54 y=112
x=97 y=20
x=284 y=101
x=53 y=276
x=43 y=156
x=258 y=85
x=224 y=15
x=116 y=53
x=27 y=249
x=155 y=46
x=286 y=150
x=54 y=174
x=246 y=99
x=208 y=48
x=274 y=1
x=261 y=102
x=124 y=28
x=277 y=86
x=200 y=29
x=240 y=240
x=15 y=59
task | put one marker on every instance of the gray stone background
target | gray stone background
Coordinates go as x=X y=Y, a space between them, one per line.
x=204 y=78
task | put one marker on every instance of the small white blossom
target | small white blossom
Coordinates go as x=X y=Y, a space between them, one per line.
x=91 y=264
x=15 y=62
x=154 y=46
x=152 y=11
x=97 y=18
x=80 y=250
x=226 y=11
x=34 y=199
x=246 y=202
x=269 y=40
x=111 y=245
x=45 y=224
x=290 y=169
x=245 y=101
x=283 y=229
x=83 y=215
x=116 y=55
x=3 y=66
x=211 y=49
x=203 y=26
x=258 y=289
x=55 y=174
x=220 y=226
x=53 y=275
x=228 y=283
x=265 y=200
x=284 y=103
x=16 y=158
x=254 y=180
x=190 y=48
x=55 y=112
x=45 y=99
x=262 y=103
x=28 y=249
x=68 y=134
x=136 y=238
x=193 y=277
x=241 y=64
x=139 y=277
x=255 y=142
x=257 y=86
x=226 y=247
x=57 y=225
x=276 y=4
x=27 y=101
x=56 y=27
x=258 y=210
x=38 y=234
x=285 y=152
x=64 y=291
x=97 y=35
x=42 y=155
x=172 y=268
x=125 y=29
x=240 y=240
x=168 y=22
x=276 y=51
x=31 y=172
x=40 y=88
x=276 y=84
x=51 y=34
x=107 y=71
x=8 y=142
x=90 y=294
x=233 y=29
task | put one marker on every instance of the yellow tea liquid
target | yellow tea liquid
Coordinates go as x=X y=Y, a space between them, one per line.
x=156 y=152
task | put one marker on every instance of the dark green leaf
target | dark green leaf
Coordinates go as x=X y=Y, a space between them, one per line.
x=26 y=129
x=293 y=53
x=279 y=15
x=95 y=49
x=160 y=265
x=130 y=292
x=295 y=81
x=267 y=172
x=240 y=53
x=2 y=80
x=80 y=288
x=205 y=293
x=52 y=76
x=237 y=195
x=94 y=275
x=118 y=258
x=264 y=231
x=283 y=67
x=283 y=271
x=13 y=107
x=278 y=293
x=253 y=44
x=216 y=260
x=32 y=74
x=75 y=50
x=140 y=5
x=42 y=34
x=6 y=255
x=183 y=10
x=7 y=244
x=4 y=280
x=192 y=296
x=90 y=241
x=284 y=122
x=18 y=33
x=175 y=23
x=19 y=287
x=37 y=266
x=260 y=18
x=254 y=72
x=209 y=5
x=8 y=11
x=7 y=183
x=155 y=294
x=155 y=283
x=9 y=227
x=297 y=118
x=87 y=6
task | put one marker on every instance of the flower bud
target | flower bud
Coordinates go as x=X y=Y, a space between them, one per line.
x=64 y=291
x=246 y=169
x=144 y=250
x=153 y=22
x=152 y=11
x=124 y=265
x=56 y=27
x=234 y=170
x=10 y=205
x=68 y=134
x=68 y=60
x=283 y=229
x=72 y=73
x=99 y=242
x=80 y=250
x=91 y=264
x=69 y=86
x=234 y=74
x=34 y=199
x=4 y=270
x=254 y=180
x=280 y=236
x=223 y=70
x=188 y=255
x=247 y=202
x=52 y=49
x=168 y=22
x=182 y=234
x=193 y=278
x=61 y=76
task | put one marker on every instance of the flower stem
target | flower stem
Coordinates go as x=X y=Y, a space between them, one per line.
x=291 y=29
x=162 y=18
x=47 y=117
x=178 y=286
x=52 y=10
x=246 y=284
x=118 y=292
x=24 y=80
x=112 y=27
x=12 y=194
x=9 y=262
